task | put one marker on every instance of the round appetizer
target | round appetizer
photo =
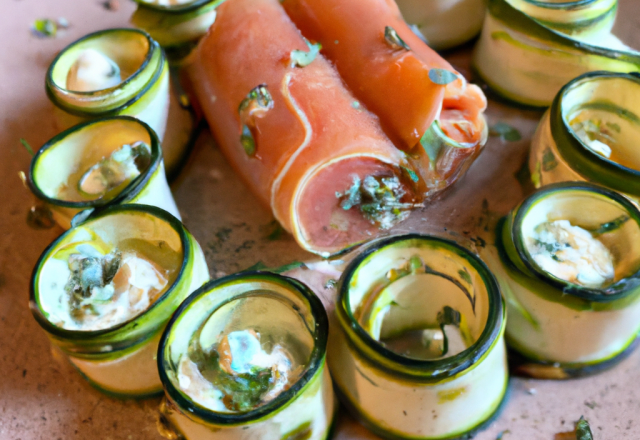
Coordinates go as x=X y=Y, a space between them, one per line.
x=529 y=49
x=444 y=23
x=176 y=25
x=419 y=349
x=101 y=163
x=116 y=72
x=244 y=356
x=105 y=289
x=590 y=133
x=567 y=265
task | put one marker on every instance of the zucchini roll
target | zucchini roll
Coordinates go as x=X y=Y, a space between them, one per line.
x=244 y=357
x=529 y=49
x=117 y=72
x=418 y=350
x=424 y=106
x=568 y=265
x=444 y=23
x=105 y=289
x=591 y=133
x=300 y=140
x=101 y=163
x=176 y=25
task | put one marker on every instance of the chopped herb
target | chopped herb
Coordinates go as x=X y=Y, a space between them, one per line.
x=393 y=39
x=432 y=144
x=549 y=161
x=258 y=266
x=378 y=198
x=412 y=174
x=40 y=217
x=45 y=27
x=501 y=435
x=447 y=316
x=465 y=275
x=277 y=232
x=247 y=141
x=331 y=284
x=505 y=131
x=583 y=430
x=26 y=145
x=287 y=267
x=255 y=105
x=610 y=226
x=613 y=126
x=300 y=58
x=591 y=404
x=442 y=76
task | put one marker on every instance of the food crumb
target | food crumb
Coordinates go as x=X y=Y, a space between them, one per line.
x=111 y=5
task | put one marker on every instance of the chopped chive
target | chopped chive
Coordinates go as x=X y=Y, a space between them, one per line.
x=442 y=76
x=26 y=145
x=393 y=39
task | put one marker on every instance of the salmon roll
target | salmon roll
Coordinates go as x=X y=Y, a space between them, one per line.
x=424 y=105
x=296 y=135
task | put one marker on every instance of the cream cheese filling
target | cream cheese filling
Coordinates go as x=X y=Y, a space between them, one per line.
x=93 y=71
x=571 y=253
x=105 y=289
x=237 y=374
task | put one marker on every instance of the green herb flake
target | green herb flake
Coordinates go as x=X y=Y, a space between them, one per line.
x=465 y=275
x=287 y=267
x=442 y=76
x=432 y=144
x=331 y=284
x=45 y=28
x=393 y=39
x=412 y=174
x=300 y=58
x=610 y=226
x=502 y=434
x=258 y=266
x=583 y=430
x=505 y=131
x=549 y=162
x=247 y=141
x=613 y=126
x=26 y=145
x=277 y=232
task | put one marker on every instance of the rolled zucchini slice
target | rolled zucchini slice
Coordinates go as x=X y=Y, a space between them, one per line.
x=444 y=23
x=244 y=357
x=101 y=163
x=529 y=49
x=567 y=263
x=591 y=133
x=176 y=25
x=105 y=289
x=119 y=72
x=418 y=349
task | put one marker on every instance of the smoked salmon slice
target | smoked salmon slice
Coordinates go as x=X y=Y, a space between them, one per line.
x=297 y=136
x=420 y=98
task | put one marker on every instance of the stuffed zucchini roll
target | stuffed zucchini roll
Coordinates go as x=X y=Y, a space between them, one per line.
x=101 y=163
x=424 y=105
x=568 y=266
x=105 y=289
x=115 y=72
x=418 y=349
x=591 y=133
x=444 y=23
x=529 y=49
x=176 y=25
x=244 y=357
x=299 y=139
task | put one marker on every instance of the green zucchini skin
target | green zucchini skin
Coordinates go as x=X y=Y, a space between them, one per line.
x=391 y=393
x=552 y=322
x=176 y=28
x=308 y=407
x=145 y=94
x=120 y=360
x=528 y=58
x=150 y=187
x=558 y=154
